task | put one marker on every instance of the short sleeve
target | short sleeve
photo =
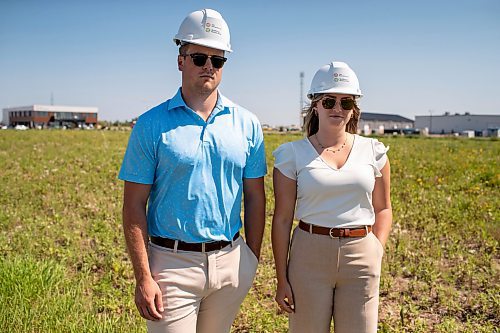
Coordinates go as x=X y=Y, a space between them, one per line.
x=256 y=166
x=139 y=162
x=379 y=156
x=285 y=160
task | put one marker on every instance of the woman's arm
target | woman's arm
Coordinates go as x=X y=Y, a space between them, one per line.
x=381 y=199
x=285 y=195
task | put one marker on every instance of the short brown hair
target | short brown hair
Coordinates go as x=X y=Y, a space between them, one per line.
x=183 y=49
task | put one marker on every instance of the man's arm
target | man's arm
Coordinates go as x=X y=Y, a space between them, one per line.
x=148 y=297
x=255 y=212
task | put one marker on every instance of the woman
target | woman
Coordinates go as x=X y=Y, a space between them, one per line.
x=337 y=184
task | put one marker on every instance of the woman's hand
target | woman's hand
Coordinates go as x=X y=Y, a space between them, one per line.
x=284 y=297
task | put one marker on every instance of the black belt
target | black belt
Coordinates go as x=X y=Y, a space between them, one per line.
x=193 y=247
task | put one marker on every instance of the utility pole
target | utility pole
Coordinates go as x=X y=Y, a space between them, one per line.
x=301 y=122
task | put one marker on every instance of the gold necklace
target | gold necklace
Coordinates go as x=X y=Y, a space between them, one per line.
x=333 y=151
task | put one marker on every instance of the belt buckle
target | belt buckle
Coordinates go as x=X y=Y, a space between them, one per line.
x=330 y=232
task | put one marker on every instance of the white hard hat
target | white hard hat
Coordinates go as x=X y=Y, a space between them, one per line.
x=205 y=27
x=336 y=77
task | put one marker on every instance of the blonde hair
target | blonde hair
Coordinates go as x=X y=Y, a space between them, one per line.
x=311 y=120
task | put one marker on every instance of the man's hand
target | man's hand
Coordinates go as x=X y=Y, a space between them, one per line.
x=148 y=299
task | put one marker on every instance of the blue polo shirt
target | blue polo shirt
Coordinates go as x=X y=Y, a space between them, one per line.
x=196 y=168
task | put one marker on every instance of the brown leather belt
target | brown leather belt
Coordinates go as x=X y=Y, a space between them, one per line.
x=335 y=232
x=193 y=247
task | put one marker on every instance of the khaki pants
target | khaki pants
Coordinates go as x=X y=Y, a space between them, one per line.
x=334 y=277
x=202 y=292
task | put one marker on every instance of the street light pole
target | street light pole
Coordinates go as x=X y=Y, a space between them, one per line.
x=301 y=122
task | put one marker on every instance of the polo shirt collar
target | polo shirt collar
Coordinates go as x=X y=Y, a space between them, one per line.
x=177 y=101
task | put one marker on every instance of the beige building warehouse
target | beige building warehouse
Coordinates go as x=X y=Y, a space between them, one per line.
x=483 y=125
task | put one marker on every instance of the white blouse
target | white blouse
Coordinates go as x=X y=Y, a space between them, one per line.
x=331 y=197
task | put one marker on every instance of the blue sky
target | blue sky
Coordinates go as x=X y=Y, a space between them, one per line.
x=411 y=58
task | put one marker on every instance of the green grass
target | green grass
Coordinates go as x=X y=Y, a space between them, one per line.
x=64 y=268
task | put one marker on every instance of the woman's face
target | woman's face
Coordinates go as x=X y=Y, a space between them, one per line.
x=335 y=109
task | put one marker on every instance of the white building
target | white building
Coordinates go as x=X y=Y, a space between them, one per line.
x=50 y=115
x=484 y=125
x=5 y=117
x=380 y=123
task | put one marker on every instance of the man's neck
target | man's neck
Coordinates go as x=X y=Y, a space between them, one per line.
x=200 y=103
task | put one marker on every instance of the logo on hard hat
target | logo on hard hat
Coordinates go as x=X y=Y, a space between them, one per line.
x=213 y=28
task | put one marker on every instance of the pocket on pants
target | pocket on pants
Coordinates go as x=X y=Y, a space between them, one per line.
x=252 y=255
x=363 y=261
x=155 y=255
x=248 y=266
x=379 y=244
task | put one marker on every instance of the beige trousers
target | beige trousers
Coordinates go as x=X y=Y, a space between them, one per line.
x=202 y=292
x=334 y=277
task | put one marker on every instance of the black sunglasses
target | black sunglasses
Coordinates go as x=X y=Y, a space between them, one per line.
x=200 y=59
x=346 y=103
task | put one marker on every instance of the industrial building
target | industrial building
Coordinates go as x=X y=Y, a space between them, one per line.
x=380 y=123
x=481 y=125
x=46 y=116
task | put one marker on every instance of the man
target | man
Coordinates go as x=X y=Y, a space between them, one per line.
x=190 y=160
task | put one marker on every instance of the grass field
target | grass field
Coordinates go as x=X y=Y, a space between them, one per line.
x=64 y=268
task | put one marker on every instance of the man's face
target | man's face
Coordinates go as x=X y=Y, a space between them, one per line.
x=199 y=79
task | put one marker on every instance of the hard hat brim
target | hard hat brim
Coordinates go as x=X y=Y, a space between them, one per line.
x=311 y=94
x=205 y=42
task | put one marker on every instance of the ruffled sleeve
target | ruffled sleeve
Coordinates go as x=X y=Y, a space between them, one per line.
x=379 y=156
x=285 y=160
